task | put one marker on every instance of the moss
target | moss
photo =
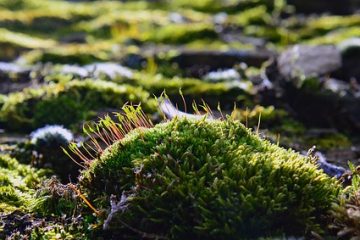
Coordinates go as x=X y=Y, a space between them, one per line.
x=182 y=33
x=279 y=35
x=73 y=53
x=337 y=36
x=322 y=25
x=70 y=57
x=17 y=184
x=266 y=115
x=329 y=141
x=13 y=44
x=257 y=15
x=345 y=221
x=276 y=120
x=2 y=99
x=23 y=40
x=205 y=5
x=70 y=53
x=123 y=23
x=193 y=89
x=54 y=198
x=68 y=103
x=214 y=6
x=207 y=179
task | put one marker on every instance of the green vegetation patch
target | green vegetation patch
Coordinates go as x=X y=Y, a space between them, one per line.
x=181 y=33
x=17 y=184
x=193 y=179
x=68 y=103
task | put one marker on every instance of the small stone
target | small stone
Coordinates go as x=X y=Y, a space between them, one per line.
x=350 y=53
x=303 y=61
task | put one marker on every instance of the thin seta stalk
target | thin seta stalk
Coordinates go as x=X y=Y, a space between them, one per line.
x=105 y=132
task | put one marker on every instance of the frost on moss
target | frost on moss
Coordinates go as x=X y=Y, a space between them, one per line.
x=194 y=179
x=68 y=103
x=17 y=184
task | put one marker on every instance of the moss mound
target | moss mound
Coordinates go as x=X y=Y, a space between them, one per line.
x=68 y=103
x=17 y=184
x=202 y=179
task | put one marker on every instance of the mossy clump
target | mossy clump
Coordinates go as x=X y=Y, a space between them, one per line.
x=54 y=198
x=206 y=179
x=182 y=33
x=17 y=184
x=68 y=103
x=329 y=141
x=346 y=211
x=14 y=43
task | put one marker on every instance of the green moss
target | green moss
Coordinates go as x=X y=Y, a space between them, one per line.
x=257 y=15
x=68 y=103
x=17 y=184
x=13 y=44
x=192 y=89
x=73 y=53
x=322 y=25
x=345 y=221
x=214 y=6
x=279 y=35
x=2 y=99
x=266 y=115
x=337 y=36
x=278 y=121
x=182 y=33
x=23 y=40
x=123 y=23
x=157 y=84
x=329 y=141
x=54 y=198
x=207 y=179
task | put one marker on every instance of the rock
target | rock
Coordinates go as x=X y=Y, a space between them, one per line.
x=220 y=18
x=341 y=157
x=198 y=63
x=98 y=70
x=325 y=103
x=170 y=111
x=177 y=18
x=329 y=168
x=134 y=61
x=74 y=70
x=350 y=54
x=11 y=138
x=227 y=75
x=76 y=37
x=336 y=86
x=111 y=70
x=13 y=77
x=302 y=61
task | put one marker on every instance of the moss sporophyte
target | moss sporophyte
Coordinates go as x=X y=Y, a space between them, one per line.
x=198 y=178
